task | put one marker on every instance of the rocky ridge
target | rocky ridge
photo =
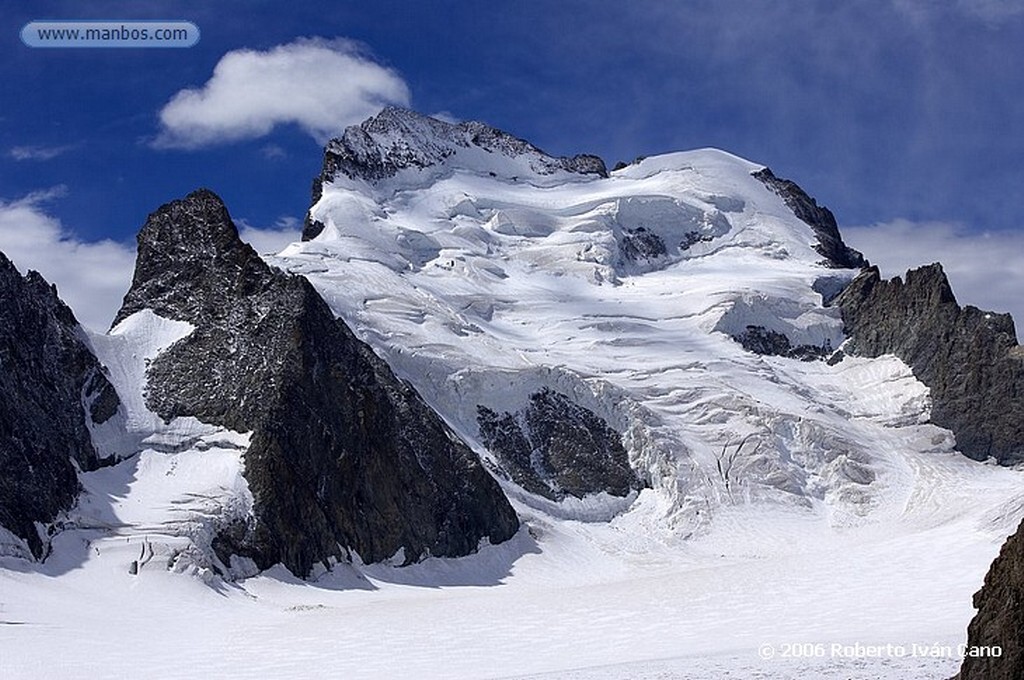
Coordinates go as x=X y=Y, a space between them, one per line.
x=969 y=358
x=397 y=139
x=760 y=340
x=830 y=243
x=52 y=389
x=343 y=456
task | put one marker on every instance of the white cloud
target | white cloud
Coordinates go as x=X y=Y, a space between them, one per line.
x=320 y=85
x=91 y=278
x=37 y=153
x=270 y=240
x=985 y=269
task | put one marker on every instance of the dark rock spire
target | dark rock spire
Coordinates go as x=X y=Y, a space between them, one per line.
x=344 y=456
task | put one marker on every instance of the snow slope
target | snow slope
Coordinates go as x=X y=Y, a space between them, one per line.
x=790 y=502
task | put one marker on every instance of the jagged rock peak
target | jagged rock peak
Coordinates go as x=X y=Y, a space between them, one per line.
x=344 y=456
x=197 y=223
x=927 y=286
x=821 y=220
x=51 y=388
x=969 y=358
x=179 y=241
x=397 y=138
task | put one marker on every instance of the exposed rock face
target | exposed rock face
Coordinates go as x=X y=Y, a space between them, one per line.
x=967 y=357
x=396 y=139
x=556 y=448
x=343 y=454
x=50 y=386
x=760 y=340
x=640 y=245
x=830 y=242
x=692 y=238
x=1000 y=618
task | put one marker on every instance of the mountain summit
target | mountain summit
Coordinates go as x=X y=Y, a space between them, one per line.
x=397 y=139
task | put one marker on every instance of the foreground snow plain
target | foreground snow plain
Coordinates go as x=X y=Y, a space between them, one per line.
x=847 y=524
x=564 y=599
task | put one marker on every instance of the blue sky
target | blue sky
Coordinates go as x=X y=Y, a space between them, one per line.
x=903 y=116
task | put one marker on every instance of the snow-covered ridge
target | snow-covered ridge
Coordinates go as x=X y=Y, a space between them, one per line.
x=398 y=139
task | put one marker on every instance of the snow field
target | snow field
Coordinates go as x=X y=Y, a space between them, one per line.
x=562 y=599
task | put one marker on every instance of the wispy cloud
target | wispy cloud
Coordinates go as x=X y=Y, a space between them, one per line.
x=992 y=11
x=446 y=116
x=38 y=153
x=92 y=277
x=320 y=85
x=273 y=152
x=985 y=269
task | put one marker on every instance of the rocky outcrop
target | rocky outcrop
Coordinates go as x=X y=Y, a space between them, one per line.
x=397 y=139
x=830 y=243
x=968 y=358
x=557 y=448
x=995 y=636
x=343 y=456
x=760 y=340
x=641 y=245
x=51 y=387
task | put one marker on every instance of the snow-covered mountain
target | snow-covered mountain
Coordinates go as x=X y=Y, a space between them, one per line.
x=717 y=427
x=487 y=278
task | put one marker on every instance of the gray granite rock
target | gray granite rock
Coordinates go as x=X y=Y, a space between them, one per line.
x=760 y=340
x=557 y=448
x=999 y=623
x=968 y=358
x=641 y=245
x=344 y=456
x=830 y=243
x=51 y=386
